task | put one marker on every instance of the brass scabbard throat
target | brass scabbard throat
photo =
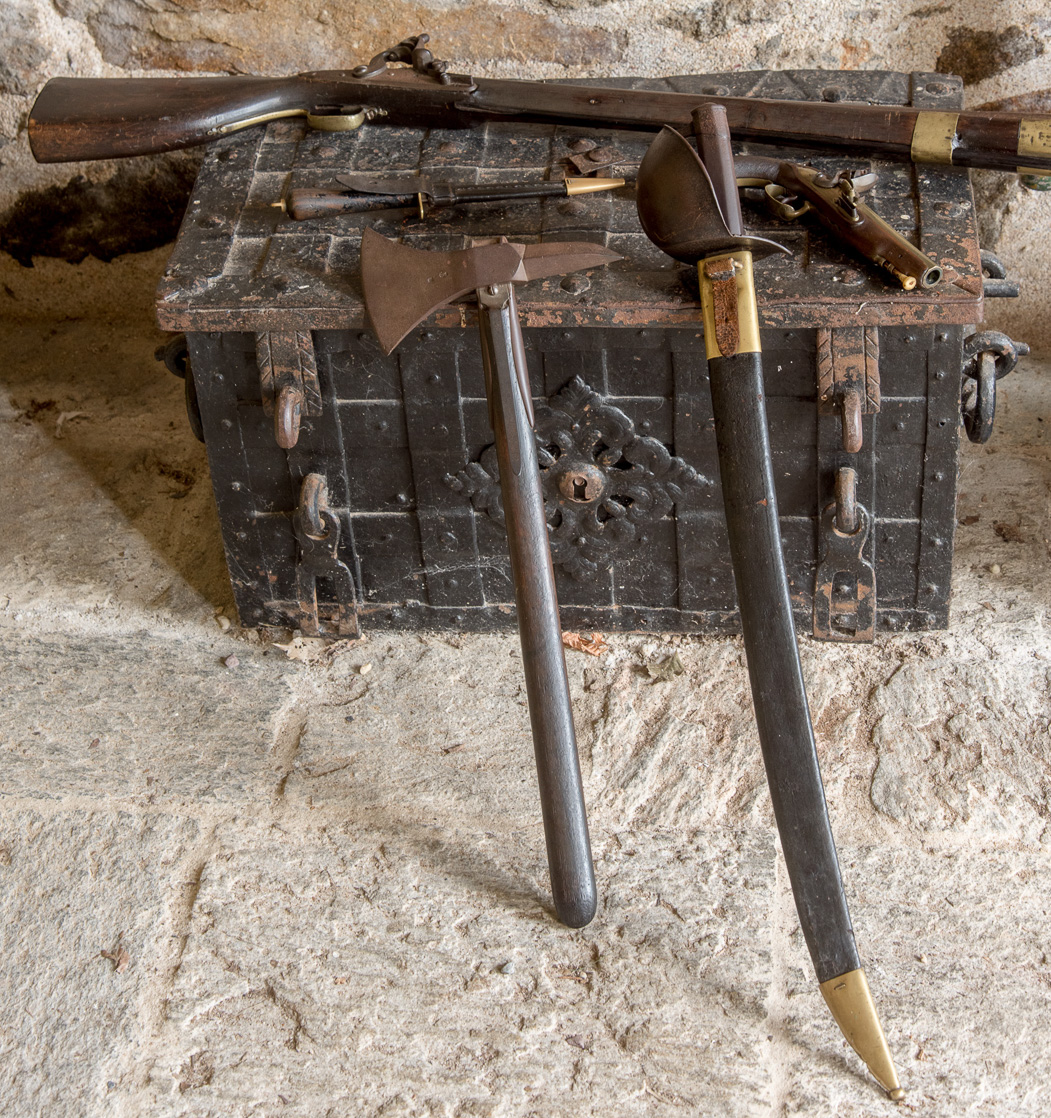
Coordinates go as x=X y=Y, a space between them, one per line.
x=731 y=316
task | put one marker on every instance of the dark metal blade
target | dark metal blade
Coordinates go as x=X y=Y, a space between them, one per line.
x=779 y=695
x=387 y=184
x=403 y=285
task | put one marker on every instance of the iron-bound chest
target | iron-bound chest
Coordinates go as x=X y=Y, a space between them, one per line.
x=406 y=528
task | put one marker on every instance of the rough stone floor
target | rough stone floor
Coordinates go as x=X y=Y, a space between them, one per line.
x=238 y=879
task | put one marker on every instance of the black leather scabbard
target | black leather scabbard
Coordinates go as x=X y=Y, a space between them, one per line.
x=778 y=692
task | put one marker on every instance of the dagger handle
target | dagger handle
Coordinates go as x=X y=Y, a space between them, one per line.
x=543 y=659
x=304 y=203
x=786 y=735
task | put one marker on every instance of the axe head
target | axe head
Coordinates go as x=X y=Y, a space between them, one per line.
x=403 y=285
x=678 y=207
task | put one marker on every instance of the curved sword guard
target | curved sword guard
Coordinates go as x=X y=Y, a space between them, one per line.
x=679 y=209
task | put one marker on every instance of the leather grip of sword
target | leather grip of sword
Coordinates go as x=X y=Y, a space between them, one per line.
x=713 y=142
x=779 y=696
x=543 y=659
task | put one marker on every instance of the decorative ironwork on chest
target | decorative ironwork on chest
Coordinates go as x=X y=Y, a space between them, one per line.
x=603 y=483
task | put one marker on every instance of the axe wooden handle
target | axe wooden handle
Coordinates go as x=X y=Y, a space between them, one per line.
x=543 y=660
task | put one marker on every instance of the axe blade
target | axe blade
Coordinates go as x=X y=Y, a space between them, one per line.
x=403 y=285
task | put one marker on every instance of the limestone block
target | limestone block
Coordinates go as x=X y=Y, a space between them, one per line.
x=418 y=972
x=73 y=886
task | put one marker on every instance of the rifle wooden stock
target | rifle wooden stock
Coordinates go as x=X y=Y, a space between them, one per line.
x=103 y=118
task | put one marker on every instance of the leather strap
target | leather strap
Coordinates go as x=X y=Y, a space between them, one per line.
x=720 y=273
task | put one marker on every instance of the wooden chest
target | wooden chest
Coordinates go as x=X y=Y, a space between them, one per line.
x=403 y=442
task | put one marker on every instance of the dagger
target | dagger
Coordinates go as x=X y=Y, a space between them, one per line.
x=402 y=286
x=391 y=192
x=689 y=207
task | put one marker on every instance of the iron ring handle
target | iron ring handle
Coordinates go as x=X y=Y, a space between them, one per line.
x=288 y=412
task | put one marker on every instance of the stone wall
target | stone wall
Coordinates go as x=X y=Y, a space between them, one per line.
x=998 y=48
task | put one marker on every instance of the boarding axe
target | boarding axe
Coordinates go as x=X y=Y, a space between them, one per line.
x=403 y=285
x=689 y=207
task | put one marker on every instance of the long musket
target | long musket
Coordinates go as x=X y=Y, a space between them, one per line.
x=106 y=118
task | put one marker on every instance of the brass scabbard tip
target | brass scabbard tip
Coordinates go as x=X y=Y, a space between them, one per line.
x=850 y=1001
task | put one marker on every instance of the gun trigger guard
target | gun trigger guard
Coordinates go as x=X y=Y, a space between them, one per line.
x=775 y=195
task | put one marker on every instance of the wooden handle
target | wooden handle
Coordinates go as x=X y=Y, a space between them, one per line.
x=543 y=659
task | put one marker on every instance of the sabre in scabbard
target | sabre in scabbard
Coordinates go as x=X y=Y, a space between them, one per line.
x=402 y=286
x=690 y=208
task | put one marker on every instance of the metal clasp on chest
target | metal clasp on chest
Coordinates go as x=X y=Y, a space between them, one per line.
x=848 y=377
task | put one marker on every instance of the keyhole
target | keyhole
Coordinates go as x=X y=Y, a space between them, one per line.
x=580 y=489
